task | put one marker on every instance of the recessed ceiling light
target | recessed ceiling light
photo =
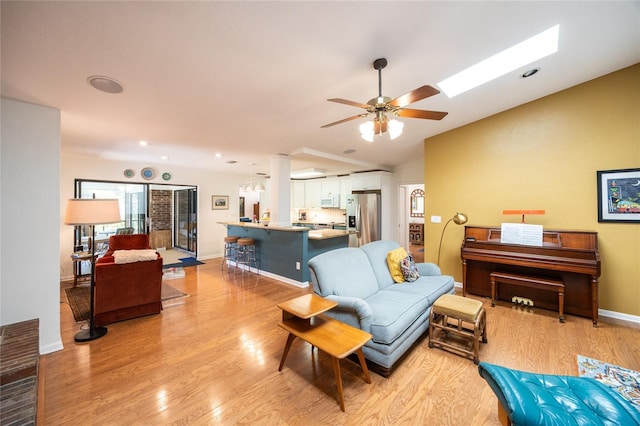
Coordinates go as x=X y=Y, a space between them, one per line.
x=349 y=151
x=523 y=53
x=530 y=72
x=143 y=143
x=164 y=157
x=231 y=162
x=217 y=155
x=105 y=84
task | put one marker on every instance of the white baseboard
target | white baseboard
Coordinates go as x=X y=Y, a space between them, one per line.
x=601 y=312
x=619 y=316
x=52 y=347
x=300 y=284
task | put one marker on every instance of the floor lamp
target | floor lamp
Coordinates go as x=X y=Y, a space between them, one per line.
x=91 y=212
x=458 y=219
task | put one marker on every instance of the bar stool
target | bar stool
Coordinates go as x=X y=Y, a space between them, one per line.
x=246 y=254
x=230 y=251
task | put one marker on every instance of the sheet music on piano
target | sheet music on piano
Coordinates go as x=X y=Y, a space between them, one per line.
x=521 y=233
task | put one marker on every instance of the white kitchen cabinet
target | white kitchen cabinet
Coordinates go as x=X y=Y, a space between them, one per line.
x=297 y=194
x=345 y=190
x=312 y=194
x=329 y=186
x=365 y=181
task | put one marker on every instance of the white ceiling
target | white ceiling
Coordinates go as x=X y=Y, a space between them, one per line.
x=251 y=79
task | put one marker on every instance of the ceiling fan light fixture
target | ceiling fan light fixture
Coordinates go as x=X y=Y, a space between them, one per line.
x=395 y=128
x=367 y=131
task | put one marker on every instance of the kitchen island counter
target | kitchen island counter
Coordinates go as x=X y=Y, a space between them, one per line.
x=314 y=234
x=283 y=251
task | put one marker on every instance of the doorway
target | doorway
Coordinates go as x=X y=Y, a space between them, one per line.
x=408 y=220
x=185 y=219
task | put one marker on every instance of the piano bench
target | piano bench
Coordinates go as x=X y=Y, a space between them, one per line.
x=526 y=281
x=463 y=335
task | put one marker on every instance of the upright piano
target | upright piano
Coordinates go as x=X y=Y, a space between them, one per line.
x=568 y=256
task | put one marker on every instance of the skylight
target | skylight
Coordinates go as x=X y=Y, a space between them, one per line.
x=523 y=53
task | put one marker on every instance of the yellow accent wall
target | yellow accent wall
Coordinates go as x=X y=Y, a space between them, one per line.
x=543 y=155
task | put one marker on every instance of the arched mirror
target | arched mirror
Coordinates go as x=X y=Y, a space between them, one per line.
x=417 y=203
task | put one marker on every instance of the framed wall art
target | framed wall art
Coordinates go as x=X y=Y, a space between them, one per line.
x=619 y=195
x=219 y=202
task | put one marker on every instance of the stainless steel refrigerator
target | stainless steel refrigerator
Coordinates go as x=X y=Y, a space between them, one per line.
x=363 y=217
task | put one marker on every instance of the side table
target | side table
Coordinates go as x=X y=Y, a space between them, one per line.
x=77 y=258
x=302 y=317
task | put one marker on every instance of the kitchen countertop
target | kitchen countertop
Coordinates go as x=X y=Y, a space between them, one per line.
x=316 y=222
x=314 y=234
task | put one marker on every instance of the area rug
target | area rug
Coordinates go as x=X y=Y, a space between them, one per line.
x=78 y=298
x=625 y=382
x=184 y=262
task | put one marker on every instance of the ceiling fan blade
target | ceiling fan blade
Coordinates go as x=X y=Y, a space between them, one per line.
x=418 y=113
x=344 y=120
x=352 y=103
x=414 y=96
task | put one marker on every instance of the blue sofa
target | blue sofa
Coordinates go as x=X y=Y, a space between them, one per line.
x=544 y=399
x=396 y=315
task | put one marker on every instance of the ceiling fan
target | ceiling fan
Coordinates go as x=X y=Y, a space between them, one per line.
x=382 y=105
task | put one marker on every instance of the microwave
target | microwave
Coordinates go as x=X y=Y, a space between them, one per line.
x=330 y=201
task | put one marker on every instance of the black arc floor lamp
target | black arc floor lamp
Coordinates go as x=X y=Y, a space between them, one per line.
x=92 y=212
x=458 y=219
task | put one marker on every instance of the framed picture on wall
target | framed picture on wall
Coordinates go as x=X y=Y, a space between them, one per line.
x=619 y=195
x=220 y=202
x=241 y=208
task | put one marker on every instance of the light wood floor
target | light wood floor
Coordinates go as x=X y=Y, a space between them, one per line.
x=214 y=360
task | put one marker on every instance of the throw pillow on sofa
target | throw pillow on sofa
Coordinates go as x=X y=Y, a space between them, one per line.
x=131 y=256
x=409 y=269
x=394 y=257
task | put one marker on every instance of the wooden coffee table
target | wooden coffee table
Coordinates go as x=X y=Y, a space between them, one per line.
x=302 y=317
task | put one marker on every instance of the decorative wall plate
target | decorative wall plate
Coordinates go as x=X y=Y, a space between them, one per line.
x=148 y=173
x=129 y=173
x=166 y=176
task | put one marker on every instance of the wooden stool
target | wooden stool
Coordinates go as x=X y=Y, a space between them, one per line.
x=464 y=340
x=230 y=251
x=247 y=254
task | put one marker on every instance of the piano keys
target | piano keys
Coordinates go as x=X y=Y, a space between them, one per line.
x=568 y=256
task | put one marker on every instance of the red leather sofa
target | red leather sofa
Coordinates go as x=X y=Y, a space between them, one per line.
x=128 y=290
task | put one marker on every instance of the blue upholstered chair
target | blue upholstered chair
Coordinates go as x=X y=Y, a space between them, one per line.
x=545 y=399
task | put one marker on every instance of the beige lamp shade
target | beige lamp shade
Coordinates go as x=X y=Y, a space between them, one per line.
x=92 y=211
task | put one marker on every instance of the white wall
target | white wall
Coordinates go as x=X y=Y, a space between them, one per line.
x=210 y=233
x=411 y=172
x=29 y=224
